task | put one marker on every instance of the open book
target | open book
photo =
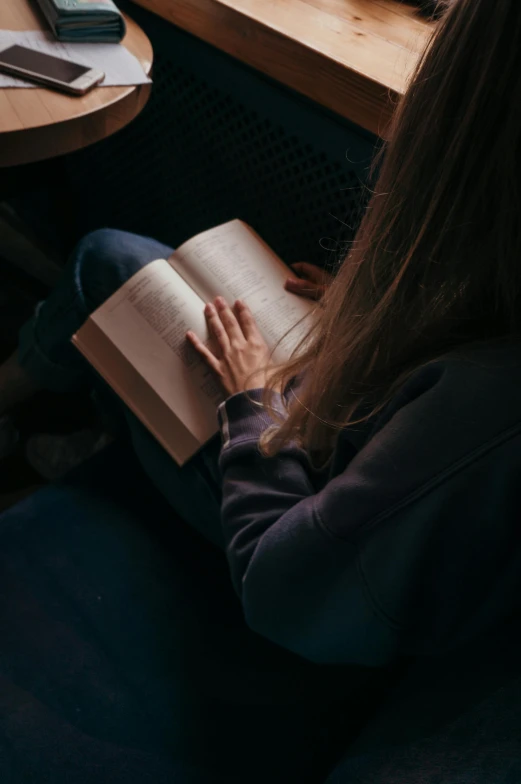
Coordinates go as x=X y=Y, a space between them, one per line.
x=137 y=339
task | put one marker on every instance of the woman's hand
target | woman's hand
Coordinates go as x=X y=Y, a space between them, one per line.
x=242 y=358
x=312 y=283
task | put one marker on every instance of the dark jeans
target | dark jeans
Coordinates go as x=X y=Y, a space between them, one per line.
x=182 y=645
x=101 y=263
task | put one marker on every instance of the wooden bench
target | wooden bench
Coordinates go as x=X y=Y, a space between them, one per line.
x=351 y=56
x=267 y=110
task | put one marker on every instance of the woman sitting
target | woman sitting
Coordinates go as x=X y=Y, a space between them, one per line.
x=369 y=508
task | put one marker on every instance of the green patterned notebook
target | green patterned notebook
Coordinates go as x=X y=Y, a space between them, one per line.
x=84 y=20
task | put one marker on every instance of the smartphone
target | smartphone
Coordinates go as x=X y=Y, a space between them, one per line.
x=49 y=70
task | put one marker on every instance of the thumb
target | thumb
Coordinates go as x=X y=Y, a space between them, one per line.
x=304 y=288
x=312 y=273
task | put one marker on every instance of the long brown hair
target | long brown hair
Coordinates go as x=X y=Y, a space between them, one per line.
x=436 y=262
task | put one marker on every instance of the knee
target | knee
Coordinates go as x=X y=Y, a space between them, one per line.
x=103 y=261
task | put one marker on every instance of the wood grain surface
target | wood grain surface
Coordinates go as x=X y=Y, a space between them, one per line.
x=38 y=123
x=352 y=56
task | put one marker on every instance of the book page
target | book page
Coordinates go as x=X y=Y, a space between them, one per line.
x=233 y=261
x=136 y=392
x=147 y=320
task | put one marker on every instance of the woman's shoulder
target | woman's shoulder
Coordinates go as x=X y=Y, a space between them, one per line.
x=478 y=379
x=478 y=384
x=460 y=409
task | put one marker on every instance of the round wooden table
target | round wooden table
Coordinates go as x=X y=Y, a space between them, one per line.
x=38 y=124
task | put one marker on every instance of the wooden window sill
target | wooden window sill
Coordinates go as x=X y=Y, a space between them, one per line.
x=352 y=56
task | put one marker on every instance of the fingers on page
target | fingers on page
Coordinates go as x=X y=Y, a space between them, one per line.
x=228 y=318
x=215 y=325
x=312 y=273
x=245 y=319
x=305 y=270
x=305 y=288
x=202 y=349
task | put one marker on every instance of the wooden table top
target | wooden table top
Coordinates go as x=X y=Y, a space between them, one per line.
x=37 y=124
x=352 y=56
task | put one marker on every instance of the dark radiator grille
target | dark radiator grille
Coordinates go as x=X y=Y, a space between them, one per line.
x=219 y=141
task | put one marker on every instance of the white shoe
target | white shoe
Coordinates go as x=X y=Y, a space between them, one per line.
x=53 y=456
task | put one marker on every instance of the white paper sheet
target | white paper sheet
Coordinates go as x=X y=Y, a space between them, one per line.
x=120 y=67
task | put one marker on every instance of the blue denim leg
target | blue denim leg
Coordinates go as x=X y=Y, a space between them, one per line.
x=101 y=263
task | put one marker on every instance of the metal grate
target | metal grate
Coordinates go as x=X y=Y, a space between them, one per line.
x=219 y=141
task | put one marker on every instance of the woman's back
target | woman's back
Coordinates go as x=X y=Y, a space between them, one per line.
x=410 y=543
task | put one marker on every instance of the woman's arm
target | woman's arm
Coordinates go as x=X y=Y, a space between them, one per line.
x=270 y=518
x=299 y=585
x=411 y=548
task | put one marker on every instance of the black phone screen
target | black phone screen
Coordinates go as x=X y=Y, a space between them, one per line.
x=42 y=64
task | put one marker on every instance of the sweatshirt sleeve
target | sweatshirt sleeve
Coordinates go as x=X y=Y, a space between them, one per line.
x=371 y=566
x=295 y=580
